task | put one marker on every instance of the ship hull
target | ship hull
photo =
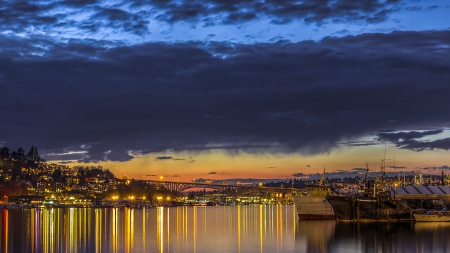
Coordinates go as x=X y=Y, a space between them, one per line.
x=432 y=217
x=352 y=208
x=313 y=208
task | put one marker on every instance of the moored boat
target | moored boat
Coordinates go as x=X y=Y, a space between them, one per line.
x=369 y=208
x=434 y=215
x=374 y=203
x=312 y=204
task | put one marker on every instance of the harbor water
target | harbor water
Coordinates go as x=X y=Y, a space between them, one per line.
x=257 y=228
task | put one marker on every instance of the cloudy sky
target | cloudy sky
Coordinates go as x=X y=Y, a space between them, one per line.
x=228 y=90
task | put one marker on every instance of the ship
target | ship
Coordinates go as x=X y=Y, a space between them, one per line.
x=312 y=204
x=433 y=215
x=380 y=207
x=374 y=203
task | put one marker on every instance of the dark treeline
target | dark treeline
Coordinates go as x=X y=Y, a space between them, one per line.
x=31 y=157
x=15 y=164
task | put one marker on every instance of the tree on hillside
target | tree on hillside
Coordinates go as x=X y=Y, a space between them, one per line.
x=57 y=175
x=14 y=156
x=20 y=154
x=109 y=174
x=33 y=155
x=4 y=153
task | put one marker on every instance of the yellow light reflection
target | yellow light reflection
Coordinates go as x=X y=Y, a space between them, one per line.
x=168 y=231
x=132 y=228
x=33 y=227
x=294 y=225
x=127 y=230
x=98 y=230
x=281 y=226
x=195 y=229
x=143 y=231
x=178 y=226
x=239 y=228
x=51 y=235
x=260 y=229
x=185 y=224
x=114 y=230
x=5 y=230
x=160 y=228
x=71 y=233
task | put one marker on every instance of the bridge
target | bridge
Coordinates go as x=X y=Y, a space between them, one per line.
x=224 y=188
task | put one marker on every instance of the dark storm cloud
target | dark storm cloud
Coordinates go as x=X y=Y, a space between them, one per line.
x=66 y=162
x=164 y=158
x=397 y=167
x=113 y=101
x=118 y=19
x=398 y=136
x=408 y=140
x=202 y=180
x=22 y=16
x=134 y=16
x=79 y=3
x=300 y=174
x=360 y=143
x=445 y=167
x=282 y=12
x=417 y=145
x=18 y=15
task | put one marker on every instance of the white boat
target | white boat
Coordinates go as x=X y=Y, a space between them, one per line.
x=312 y=204
x=433 y=216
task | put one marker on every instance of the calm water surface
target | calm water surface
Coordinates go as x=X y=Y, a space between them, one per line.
x=207 y=229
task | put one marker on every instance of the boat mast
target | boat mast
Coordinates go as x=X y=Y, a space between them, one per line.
x=383 y=165
x=383 y=170
x=365 y=177
x=322 y=179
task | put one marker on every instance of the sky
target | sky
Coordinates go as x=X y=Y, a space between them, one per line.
x=228 y=91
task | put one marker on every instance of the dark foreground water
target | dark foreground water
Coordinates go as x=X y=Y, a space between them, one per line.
x=207 y=229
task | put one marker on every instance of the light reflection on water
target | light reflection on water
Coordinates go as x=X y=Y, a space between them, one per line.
x=376 y=237
x=207 y=229
x=175 y=229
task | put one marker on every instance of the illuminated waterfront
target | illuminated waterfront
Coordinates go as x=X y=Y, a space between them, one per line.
x=258 y=228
